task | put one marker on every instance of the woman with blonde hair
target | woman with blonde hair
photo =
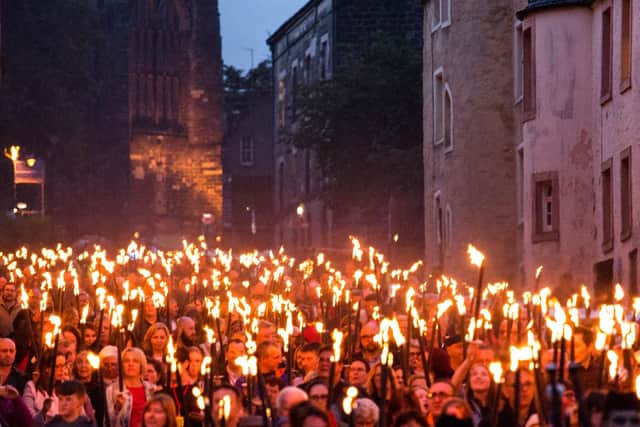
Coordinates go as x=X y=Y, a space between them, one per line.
x=125 y=407
x=155 y=341
x=159 y=411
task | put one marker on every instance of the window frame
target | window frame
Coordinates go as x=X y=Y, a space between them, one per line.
x=446 y=92
x=606 y=84
x=626 y=192
x=538 y=232
x=438 y=106
x=608 y=229
x=626 y=50
x=518 y=62
x=528 y=103
x=244 y=150
x=438 y=218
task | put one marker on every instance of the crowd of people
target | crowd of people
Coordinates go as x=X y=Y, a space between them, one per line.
x=203 y=338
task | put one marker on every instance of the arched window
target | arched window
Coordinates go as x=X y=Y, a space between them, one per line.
x=448 y=119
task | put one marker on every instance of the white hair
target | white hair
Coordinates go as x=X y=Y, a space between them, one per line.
x=288 y=397
x=366 y=408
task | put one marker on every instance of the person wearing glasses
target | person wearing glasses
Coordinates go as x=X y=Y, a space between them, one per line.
x=318 y=392
x=439 y=394
x=526 y=412
x=369 y=348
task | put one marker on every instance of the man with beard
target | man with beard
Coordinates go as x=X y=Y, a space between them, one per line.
x=369 y=349
x=186 y=336
x=9 y=308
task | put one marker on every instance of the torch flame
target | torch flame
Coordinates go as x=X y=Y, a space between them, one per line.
x=496 y=371
x=475 y=256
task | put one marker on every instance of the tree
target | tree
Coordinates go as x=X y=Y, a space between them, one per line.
x=240 y=91
x=365 y=125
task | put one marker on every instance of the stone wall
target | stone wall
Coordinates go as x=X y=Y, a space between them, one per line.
x=176 y=115
x=473 y=177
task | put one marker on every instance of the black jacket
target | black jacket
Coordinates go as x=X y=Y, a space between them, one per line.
x=81 y=421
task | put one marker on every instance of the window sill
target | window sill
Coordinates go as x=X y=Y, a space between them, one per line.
x=436 y=27
x=605 y=98
x=448 y=148
x=246 y=165
x=546 y=236
x=518 y=100
x=527 y=116
x=625 y=85
x=607 y=246
x=626 y=235
x=439 y=141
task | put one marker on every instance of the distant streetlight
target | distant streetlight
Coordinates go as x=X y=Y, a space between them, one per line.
x=300 y=210
x=13 y=154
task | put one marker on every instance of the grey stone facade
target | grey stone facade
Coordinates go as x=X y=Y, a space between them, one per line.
x=248 y=176
x=321 y=37
x=469 y=151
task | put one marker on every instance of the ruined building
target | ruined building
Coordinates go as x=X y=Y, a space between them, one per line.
x=175 y=113
x=161 y=113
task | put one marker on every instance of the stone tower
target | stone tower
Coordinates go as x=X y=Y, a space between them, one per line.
x=175 y=114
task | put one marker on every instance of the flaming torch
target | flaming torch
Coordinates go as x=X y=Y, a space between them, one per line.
x=477 y=258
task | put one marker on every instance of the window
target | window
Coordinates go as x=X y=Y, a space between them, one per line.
x=441 y=14
x=282 y=105
x=246 y=151
x=517 y=62
x=546 y=207
x=528 y=75
x=307 y=69
x=294 y=92
x=625 y=45
x=445 y=13
x=626 y=196
x=605 y=58
x=607 y=207
x=448 y=120
x=438 y=95
x=436 y=14
x=323 y=60
x=437 y=211
x=520 y=166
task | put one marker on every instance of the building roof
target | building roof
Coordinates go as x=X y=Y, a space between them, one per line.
x=282 y=30
x=535 y=5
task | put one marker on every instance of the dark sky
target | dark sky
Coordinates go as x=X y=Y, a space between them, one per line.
x=246 y=24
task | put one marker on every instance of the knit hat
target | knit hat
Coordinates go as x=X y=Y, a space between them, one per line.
x=108 y=351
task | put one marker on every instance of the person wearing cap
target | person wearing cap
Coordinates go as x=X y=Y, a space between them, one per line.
x=109 y=364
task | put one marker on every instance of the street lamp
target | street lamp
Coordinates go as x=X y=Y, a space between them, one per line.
x=13 y=153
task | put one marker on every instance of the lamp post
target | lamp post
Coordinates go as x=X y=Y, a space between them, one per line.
x=13 y=154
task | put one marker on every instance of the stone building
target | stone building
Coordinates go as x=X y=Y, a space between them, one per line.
x=578 y=138
x=175 y=114
x=568 y=109
x=323 y=36
x=469 y=152
x=248 y=176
